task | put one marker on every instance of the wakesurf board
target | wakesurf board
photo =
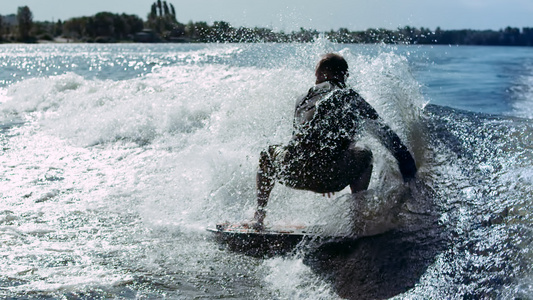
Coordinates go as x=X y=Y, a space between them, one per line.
x=271 y=240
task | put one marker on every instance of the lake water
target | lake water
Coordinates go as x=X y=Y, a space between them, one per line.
x=115 y=158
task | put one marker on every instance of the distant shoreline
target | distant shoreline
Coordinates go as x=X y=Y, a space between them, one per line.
x=369 y=37
x=162 y=26
x=66 y=41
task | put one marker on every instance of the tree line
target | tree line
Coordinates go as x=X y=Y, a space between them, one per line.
x=161 y=25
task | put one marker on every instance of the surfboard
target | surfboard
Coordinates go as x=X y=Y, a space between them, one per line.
x=272 y=240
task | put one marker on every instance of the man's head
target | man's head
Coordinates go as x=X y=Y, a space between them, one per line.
x=332 y=66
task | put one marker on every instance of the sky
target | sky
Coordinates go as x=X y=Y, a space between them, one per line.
x=290 y=15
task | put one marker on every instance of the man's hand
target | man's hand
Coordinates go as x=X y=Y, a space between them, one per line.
x=408 y=169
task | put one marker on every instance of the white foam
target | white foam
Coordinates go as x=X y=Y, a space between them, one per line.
x=214 y=120
x=292 y=279
x=127 y=169
x=522 y=94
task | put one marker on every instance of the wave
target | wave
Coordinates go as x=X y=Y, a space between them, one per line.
x=522 y=93
x=157 y=157
x=222 y=105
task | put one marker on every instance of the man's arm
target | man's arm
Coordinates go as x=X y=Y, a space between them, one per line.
x=406 y=162
x=389 y=139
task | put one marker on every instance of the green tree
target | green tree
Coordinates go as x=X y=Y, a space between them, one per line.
x=160 y=6
x=1 y=29
x=190 y=30
x=223 y=31
x=153 y=12
x=75 y=27
x=203 y=31
x=25 y=23
x=166 y=9
x=173 y=12
x=134 y=23
x=162 y=20
x=58 y=29
x=103 y=24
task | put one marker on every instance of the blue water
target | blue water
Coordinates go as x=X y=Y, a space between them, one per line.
x=493 y=80
x=115 y=158
x=481 y=79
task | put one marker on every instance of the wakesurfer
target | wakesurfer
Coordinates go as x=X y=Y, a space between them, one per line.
x=322 y=155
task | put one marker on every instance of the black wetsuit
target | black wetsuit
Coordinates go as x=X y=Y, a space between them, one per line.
x=327 y=122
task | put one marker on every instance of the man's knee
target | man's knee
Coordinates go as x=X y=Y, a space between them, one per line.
x=358 y=158
x=364 y=157
x=265 y=163
x=264 y=157
x=362 y=153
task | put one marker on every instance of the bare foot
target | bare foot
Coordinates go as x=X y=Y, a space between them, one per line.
x=255 y=225
x=259 y=217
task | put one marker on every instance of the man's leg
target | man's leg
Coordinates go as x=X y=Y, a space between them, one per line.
x=362 y=183
x=353 y=168
x=265 y=184
x=361 y=159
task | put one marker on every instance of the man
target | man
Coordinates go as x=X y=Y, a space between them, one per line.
x=322 y=156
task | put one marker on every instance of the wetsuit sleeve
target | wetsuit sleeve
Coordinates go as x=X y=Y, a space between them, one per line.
x=406 y=162
x=389 y=139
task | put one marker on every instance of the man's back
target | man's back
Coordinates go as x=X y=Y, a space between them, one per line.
x=327 y=120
